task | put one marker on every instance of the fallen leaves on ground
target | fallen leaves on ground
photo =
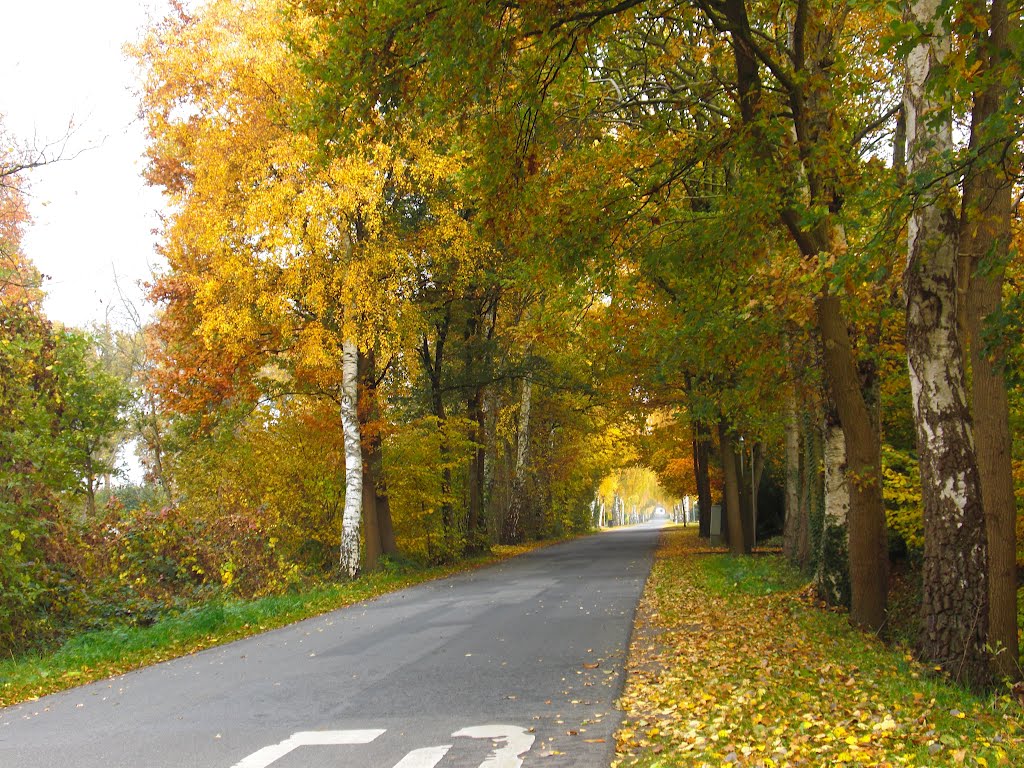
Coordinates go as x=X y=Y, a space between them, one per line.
x=741 y=678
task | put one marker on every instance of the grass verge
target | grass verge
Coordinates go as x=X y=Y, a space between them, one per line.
x=731 y=665
x=104 y=653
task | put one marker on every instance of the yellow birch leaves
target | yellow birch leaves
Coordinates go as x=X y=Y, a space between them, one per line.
x=284 y=250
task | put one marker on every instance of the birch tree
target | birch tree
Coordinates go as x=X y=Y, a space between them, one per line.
x=279 y=257
x=352 y=516
x=955 y=587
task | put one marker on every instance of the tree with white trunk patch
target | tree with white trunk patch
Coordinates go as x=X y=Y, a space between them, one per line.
x=352 y=515
x=955 y=589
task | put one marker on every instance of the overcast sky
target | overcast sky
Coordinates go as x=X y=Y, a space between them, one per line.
x=62 y=61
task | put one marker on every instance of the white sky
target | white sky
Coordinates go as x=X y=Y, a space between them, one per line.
x=62 y=61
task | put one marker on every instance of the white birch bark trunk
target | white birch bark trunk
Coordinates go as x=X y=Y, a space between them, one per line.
x=352 y=515
x=954 y=582
x=832 y=578
x=524 y=428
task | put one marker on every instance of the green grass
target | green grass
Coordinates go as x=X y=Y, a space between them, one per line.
x=757 y=575
x=102 y=653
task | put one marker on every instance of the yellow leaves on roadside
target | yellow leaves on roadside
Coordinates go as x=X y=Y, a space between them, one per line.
x=747 y=680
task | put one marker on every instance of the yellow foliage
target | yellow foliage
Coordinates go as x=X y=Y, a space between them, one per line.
x=285 y=249
x=901 y=491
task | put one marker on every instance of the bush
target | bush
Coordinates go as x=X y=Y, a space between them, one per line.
x=901 y=491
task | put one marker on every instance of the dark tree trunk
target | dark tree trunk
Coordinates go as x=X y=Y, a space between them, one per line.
x=739 y=535
x=702 y=470
x=985 y=236
x=378 y=527
x=433 y=363
x=869 y=558
x=476 y=524
x=371 y=523
x=475 y=370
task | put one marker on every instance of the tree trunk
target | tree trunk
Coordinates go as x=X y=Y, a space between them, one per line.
x=350 y=520
x=955 y=583
x=985 y=238
x=832 y=577
x=756 y=471
x=90 y=488
x=811 y=99
x=476 y=525
x=812 y=490
x=739 y=539
x=869 y=558
x=433 y=365
x=517 y=504
x=376 y=504
x=371 y=523
x=992 y=433
x=791 y=528
x=702 y=470
x=495 y=510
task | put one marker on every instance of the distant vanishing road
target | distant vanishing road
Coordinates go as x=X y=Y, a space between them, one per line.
x=514 y=664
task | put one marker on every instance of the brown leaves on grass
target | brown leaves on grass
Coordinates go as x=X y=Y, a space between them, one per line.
x=745 y=680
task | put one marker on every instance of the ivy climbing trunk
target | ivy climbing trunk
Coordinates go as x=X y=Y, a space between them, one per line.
x=954 y=576
x=350 y=519
x=794 y=511
x=812 y=483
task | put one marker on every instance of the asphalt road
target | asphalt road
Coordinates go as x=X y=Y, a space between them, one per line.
x=514 y=664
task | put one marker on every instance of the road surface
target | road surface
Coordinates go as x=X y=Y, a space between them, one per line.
x=514 y=664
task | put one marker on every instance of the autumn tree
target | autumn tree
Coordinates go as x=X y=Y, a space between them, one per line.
x=952 y=257
x=985 y=248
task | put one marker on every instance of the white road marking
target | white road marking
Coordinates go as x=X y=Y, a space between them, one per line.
x=268 y=755
x=511 y=743
x=428 y=757
x=517 y=742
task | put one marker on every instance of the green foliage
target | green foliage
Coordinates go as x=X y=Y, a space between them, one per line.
x=91 y=401
x=414 y=465
x=268 y=487
x=57 y=412
x=133 y=497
